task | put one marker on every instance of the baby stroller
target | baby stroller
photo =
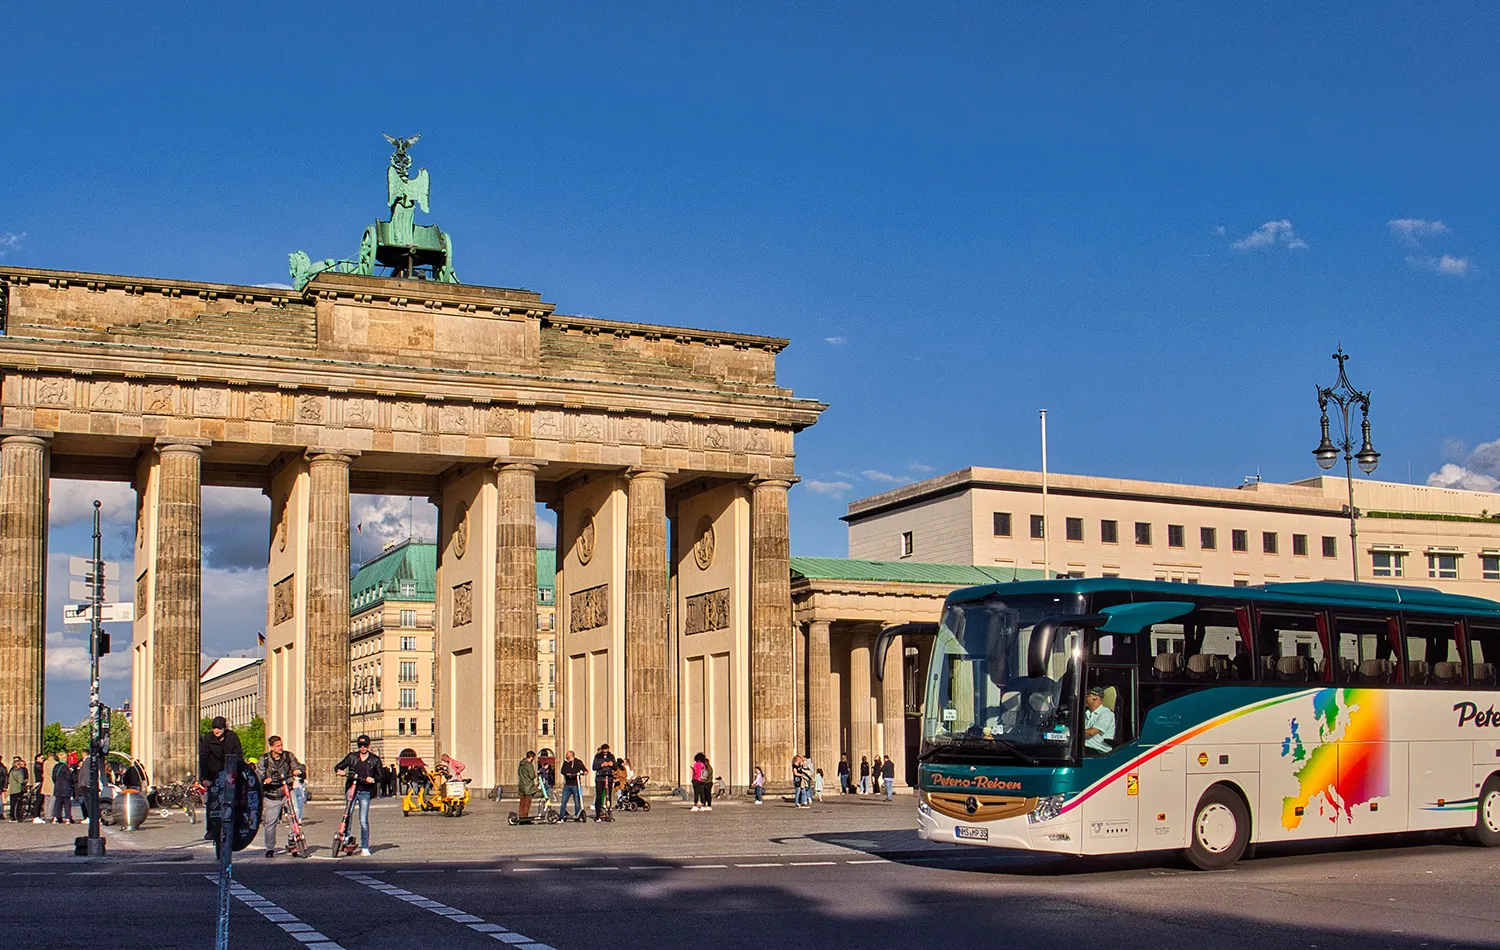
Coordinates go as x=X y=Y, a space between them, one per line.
x=630 y=794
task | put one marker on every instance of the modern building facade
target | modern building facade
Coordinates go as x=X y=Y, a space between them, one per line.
x=235 y=688
x=1258 y=533
x=393 y=627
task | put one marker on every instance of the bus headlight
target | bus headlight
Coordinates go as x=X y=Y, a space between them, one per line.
x=1047 y=808
x=923 y=808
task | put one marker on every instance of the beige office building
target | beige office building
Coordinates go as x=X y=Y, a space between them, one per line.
x=1257 y=533
x=232 y=687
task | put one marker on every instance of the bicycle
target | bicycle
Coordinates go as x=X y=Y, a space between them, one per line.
x=187 y=796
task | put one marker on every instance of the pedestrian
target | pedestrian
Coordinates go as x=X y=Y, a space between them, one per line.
x=363 y=766
x=15 y=785
x=40 y=777
x=526 y=783
x=604 y=777
x=546 y=773
x=844 y=774
x=4 y=786
x=864 y=775
x=83 y=780
x=214 y=750
x=758 y=783
x=818 y=785
x=62 y=792
x=281 y=776
x=572 y=768
x=702 y=777
x=888 y=778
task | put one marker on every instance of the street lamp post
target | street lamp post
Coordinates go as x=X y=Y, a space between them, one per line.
x=1344 y=396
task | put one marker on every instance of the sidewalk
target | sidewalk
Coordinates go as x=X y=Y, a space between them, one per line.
x=735 y=827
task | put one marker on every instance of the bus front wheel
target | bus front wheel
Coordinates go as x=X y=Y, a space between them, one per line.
x=1486 y=829
x=1220 y=831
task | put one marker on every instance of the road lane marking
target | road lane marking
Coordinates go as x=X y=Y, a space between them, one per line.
x=473 y=922
x=869 y=861
x=304 y=934
x=697 y=867
x=771 y=864
x=813 y=864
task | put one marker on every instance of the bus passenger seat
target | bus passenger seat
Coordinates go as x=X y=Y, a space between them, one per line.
x=1292 y=668
x=1205 y=666
x=1448 y=674
x=1417 y=672
x=1166 y=665
x=1484 y=674
x=1374 y=671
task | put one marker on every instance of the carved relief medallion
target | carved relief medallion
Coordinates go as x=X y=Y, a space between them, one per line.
x=716 y=437
x=460 y=531
x=463 y=603
x=108 y=396
x=283 y=600
x=310 y=409
x=407 y=416
x=703 y=548
x=588 y=609
x=281 y=528
x=52 y=392
x=586 y=536
x=677 y=433
x=454 y=419
x=142 y=589
x=708 y=611
x=158 y=400
x=358 y=412
x=260 y=407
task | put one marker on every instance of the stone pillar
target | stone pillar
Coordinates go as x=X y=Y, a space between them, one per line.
x=23 y=582
x=861 y=728
x=820 y=699
x=802 y=734
x=327 y=659
x=771 y=643
x=177 y=609
x=515 y=617
x=648 y=695
x=893 y=706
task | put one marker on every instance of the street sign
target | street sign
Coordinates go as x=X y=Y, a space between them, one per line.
x=84 y=590
x=109 y=613
x=84 y=567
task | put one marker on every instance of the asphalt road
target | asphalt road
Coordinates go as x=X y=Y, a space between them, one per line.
x=775 y=880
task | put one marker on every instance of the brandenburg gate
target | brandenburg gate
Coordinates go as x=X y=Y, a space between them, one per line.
x=665 y=452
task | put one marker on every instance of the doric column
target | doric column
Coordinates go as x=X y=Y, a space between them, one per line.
x=23 y=582
x=515 y=617
x=820 y=698
x=327 y=661
x=771 y=647
x=861 y=728
x=801 y=734
x=893 y=706
x=648 y=694
x=177 y=608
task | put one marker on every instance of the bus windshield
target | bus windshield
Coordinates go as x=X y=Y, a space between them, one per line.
x=981 y=701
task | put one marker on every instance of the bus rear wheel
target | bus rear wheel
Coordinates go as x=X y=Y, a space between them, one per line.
x=1220 y=830
x=1486 y=830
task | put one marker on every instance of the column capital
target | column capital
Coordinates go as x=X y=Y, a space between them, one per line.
x=323 y=454
x=183 y=444
x=519 y=466
x=769 y=482
x=647 y=473
x=26 y=436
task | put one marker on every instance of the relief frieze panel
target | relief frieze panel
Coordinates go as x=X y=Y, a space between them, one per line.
x=708 y=611
x=283 y=600
x=463 y=604
x=546 y=424
x=159 y=400
x=454 y=418
x=358 y=412
x=53 y=391
x=211 y=401
x=499 y=420
x=107 y=395
x=407 y=415
x=311 y=409
x=588 y=609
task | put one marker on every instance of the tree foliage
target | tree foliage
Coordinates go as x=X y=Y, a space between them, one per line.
x=54 y=738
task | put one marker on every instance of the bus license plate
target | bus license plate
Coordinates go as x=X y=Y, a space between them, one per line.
x=972 y=834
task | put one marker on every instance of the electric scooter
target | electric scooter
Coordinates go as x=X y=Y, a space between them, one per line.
x=345 y=841
x=296 y=844
x=547 y=816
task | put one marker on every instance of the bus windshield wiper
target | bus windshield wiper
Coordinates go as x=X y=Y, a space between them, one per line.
x=988 y=747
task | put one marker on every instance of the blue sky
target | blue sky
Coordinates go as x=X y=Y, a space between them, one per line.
x=1155 y=220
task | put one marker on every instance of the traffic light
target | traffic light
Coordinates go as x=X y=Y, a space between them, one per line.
x=103 y=643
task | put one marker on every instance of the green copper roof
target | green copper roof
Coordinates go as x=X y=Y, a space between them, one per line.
x=907 y=572
x=415 y=562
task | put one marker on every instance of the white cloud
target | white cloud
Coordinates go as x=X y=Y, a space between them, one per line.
x=377 y=520
x=1269 y=234
x=875 y=475
x=920 y=468
x=1411 y=231
x=275 y=285
x=1219 y=230
x=10 y=241
x=831 y=489
x=72 y=502
x=834 y=340
x=1447 y=264
x=68 y=655
x=1477 y=470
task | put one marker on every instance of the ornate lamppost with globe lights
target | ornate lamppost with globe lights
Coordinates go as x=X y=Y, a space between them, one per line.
x=1345 y=397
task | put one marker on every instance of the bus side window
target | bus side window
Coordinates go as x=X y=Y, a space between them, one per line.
x=1432 y=654
x=1291 y=649
x=1365 y=640
x=1484 y=651
x=1118 y=685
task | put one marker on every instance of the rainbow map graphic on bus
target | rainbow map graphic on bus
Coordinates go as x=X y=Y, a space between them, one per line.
x=1347 y=764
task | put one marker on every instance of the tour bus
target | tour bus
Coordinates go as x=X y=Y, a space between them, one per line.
x=1103 y=716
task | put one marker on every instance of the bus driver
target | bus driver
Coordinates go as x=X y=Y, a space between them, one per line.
x=1098 y=723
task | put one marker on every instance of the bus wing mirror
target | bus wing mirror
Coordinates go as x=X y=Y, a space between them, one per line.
x=1133 y=618
x=1045 y=631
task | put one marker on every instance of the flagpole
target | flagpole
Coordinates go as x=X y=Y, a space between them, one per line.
x=1046 y=557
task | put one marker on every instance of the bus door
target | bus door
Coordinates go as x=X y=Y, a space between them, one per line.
x=1368 y=792
x=1439 y=758
x=1110 y=819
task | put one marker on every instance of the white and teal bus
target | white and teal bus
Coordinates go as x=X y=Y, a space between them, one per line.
x=1104 y=716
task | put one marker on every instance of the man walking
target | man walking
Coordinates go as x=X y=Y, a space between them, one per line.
x=281 y=775
x=604 y=778
x=844 y=774
x=526 y=783
x=888 y=778
x=16 y=786
x=62 y=792
x=363 y=767
x=572 y=768
x=214 y=749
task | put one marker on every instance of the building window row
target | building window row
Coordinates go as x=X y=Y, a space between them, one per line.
x=1109 y=533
